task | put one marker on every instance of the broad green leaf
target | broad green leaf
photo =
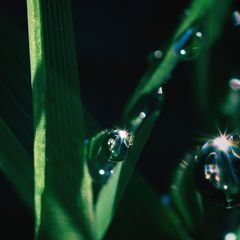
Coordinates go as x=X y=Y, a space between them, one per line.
x=196 y=12
x=111 y=193
x=58 y=144
x=59 y=224
x=15 y=162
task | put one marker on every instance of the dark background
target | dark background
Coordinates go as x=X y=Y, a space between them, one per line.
x=113 y=40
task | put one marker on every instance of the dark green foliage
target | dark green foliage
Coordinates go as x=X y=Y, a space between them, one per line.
x=68 y=204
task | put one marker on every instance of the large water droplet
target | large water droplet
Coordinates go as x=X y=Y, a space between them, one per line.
x=218 y=170
x=230 y=236
x=111 y=149
x=189 y=44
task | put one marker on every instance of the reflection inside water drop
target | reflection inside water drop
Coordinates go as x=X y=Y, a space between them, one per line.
x=218 y=170
x=147 y=104
x=189 y=44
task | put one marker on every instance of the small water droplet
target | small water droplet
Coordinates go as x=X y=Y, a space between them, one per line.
x=142 y=115
x=101 y=170
x=236 y=18
x=218 y=170
x=235 y=84
x=155 y=56
x=189 y=44
x=147 y=104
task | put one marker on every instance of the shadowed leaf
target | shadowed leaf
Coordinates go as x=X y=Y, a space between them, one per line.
x=111 y=193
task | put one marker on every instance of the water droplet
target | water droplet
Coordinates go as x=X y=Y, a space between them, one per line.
x=236 y=18
x=189 y=44
x=155 y=56
x=146 y=106
x=230 y=236
x=235 y=84
x=107 y=153
x=217 y=170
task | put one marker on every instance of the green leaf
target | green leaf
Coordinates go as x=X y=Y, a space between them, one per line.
x=15 y=162
x=58 y=120
x=39 y=102
x=142 y=215
x=111 y=193
x=212 y=25
x=150 y=81
x=184 y=195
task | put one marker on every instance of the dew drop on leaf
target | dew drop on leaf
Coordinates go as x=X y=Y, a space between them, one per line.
x=235 y=84
x=189 y=44
x=217 y=171
x=230 y=236
x=236 y=18
x=112 y=150
x=155 y=56
x=118 y=144
x=147 y=104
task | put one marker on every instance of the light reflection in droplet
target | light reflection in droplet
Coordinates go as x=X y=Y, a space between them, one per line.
x=183 y=52
x=198 y=34
x=142 y=115
x=157 y=54
x=123 y=134
x=217 y=172
x=189 y=44
x=230 y=236
x=221 y=143
x=225 y=187
x=101 y=172
x=118 y=144
x=160 y=91
x=236 y=18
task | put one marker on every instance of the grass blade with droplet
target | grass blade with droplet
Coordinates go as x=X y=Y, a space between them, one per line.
x=148 y=83
x=111 y=193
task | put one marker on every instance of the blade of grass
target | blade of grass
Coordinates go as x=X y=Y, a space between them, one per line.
x=212 y=25
x=142 y=215
x=58 y=144
x=36 y=47
x=197 y=10
x=111 y=193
